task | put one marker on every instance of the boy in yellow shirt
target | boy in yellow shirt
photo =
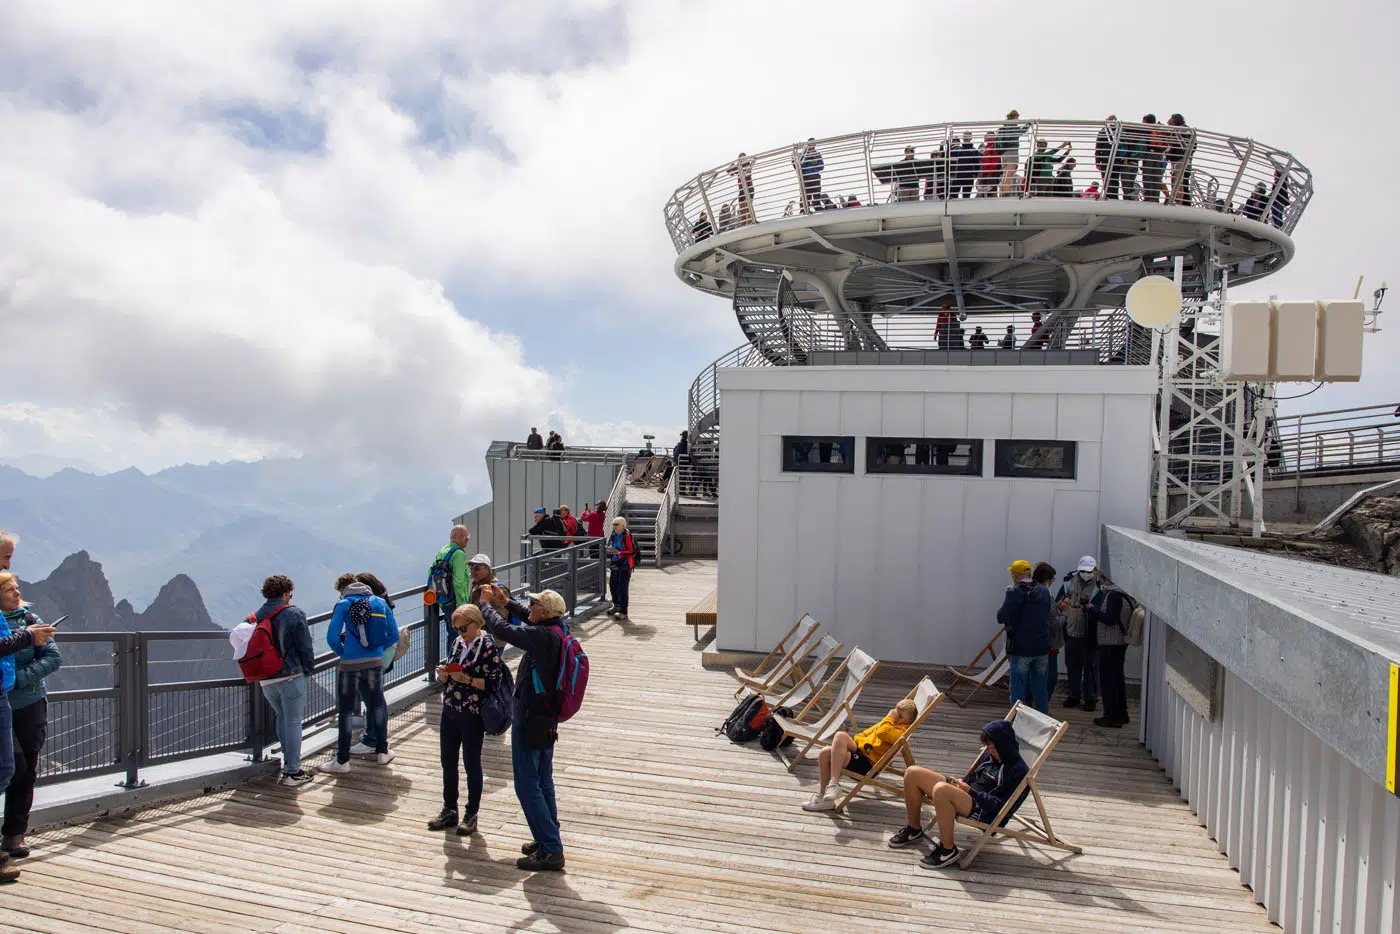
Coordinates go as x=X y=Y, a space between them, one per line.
x=858 y=753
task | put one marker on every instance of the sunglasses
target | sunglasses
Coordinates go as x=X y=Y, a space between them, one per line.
x=462 y=629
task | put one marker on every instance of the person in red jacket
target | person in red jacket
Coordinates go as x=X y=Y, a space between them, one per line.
x=595 y=519
x=622 y=554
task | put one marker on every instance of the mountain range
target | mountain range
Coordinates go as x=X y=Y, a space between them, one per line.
x=227 y=526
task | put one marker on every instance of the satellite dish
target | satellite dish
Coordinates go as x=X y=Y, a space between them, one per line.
x=1154 y=301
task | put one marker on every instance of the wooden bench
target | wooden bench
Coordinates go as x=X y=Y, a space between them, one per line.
x=704 y=613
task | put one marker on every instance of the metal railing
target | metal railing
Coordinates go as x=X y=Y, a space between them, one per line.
x=139 y=718
x=703 y=397
x=1360 y=439
x=591 y=454
x=669 y=497
x=997 y=159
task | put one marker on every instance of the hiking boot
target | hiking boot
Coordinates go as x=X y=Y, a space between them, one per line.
x=905 y=836
x=8 y=875
x=446 y=818
x=384 y=758
x=1109 y=722
x=295 y=779
x=360 y=749
x=1089 y=705
x=1071 y=702
x=334 y=767
x=467 y=827
x=530 y=849
x=541 y=862
x=940 y=858
x=819 y=803
x=15 y=847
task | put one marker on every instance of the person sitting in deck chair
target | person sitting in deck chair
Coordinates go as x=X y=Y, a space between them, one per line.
x=858 y=753
x=980 y=795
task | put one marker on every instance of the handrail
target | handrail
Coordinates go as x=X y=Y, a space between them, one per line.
x=843 y=172
x=617 y=495
x=1335 y=441
x=664 y=510
x=703 y=396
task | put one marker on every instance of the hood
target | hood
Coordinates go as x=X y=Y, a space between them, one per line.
x=357 y=589
x=1003 y=737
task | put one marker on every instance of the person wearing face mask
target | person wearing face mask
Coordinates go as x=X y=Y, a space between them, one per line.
x=1079 y=591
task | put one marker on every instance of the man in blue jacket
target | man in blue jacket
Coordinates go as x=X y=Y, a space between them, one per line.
x=286 y=690
x=361 y=628
x=1025 y=613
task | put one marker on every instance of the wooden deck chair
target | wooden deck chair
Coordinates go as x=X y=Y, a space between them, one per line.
x=810 y=726
x=1038 y=734
x=774 y=673
x=639 y=469
x=996 y=668
x=926 y=697
x=826 y=654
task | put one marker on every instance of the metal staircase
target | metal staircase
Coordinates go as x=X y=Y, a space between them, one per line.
x=641 y=522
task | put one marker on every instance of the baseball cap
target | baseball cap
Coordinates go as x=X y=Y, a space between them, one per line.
x=1020 y=568
x=1087 y=563
x=539 y=511
x=480 y=558
x=550 y=600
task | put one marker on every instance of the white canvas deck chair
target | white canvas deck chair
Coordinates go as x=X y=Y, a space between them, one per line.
x=926 y=697
x=780 y=669
x=989 y=673
x=639 y=469
x=1038 y=735
x=826 y=656
x=810 y=726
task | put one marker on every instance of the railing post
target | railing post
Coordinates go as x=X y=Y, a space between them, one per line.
x=573 y=581
x=255 y=724
x=131 y=706
x=1239 y=174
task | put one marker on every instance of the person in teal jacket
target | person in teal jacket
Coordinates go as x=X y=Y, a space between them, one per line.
x=360 y=673
x=17 y=636
x=29 y=708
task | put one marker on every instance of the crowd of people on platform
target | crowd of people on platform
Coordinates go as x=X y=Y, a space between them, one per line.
x=1147 y=161
x=555 y=442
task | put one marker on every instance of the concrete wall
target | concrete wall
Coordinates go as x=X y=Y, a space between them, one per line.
x=913 y=567
x=518 y=486
x=1309 y=500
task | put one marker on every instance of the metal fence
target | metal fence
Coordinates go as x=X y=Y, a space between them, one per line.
x=998 y=159
x=1338 y=441
x=148 y=713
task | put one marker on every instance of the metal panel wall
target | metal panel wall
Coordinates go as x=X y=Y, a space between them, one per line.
x=1315 y=838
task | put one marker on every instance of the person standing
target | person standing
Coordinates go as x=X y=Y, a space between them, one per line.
x=1105 y=159
x=1025 y=614
x=810 y=166
x=10 y=644
x=471 y=672
x=550 y=527
x=1009 y=147
x=29 y=707
x=361 y=628
x=286 y=690
x=535 y=727
x=622 y=552
x=1181 y=143
x=1077 y=594
x=534 y=442
x=1154 y=153
x=1112 y=620
x=448 y=576
x=1008 y=340
x=8 y=541
x=965 y=164
x=572 y=530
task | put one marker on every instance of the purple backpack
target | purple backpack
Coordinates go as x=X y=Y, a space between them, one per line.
x=572 y=680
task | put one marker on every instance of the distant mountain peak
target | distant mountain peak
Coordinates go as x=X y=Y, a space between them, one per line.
x=78 y=588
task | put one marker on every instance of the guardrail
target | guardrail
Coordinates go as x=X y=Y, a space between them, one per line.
x=591 y=454
x=996 y=159
x=1335 y=442
x=138 y=719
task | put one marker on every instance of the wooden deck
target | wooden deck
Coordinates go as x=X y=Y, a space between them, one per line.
x=667 y=828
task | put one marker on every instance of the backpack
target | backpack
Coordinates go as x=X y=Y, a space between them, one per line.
x=1137 y=622
x=772 y=736
x=261 y=660
x=440 y=578
x=747 y=720
x=572 y=680
x=369 y=628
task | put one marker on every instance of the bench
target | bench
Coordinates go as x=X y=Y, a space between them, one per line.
x=704 y=613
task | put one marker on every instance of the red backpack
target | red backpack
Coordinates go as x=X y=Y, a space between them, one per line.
x=262 y=660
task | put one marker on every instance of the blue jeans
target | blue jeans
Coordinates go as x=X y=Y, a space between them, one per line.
x=1028 y=675
x=366 y=684
x=288 y=700
x=7 y=744
x=534 y=788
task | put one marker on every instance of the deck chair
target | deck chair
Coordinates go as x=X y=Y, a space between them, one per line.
x=1038 y=735
x=774 y=673
x=810 y=726
x=639 y=469
x=989 y=674
x=927 y=697
x=826 y=654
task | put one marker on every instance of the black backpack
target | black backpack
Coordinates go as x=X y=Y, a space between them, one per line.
x=747 y=720
x=772 y=736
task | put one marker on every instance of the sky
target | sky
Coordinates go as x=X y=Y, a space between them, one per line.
x=393 y=232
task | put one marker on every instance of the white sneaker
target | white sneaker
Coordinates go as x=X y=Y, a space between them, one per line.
x=820 y=803
x=360 y=749
x=334 y=768
x=384 y=758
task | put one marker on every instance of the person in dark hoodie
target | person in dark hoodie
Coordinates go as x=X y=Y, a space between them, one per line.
x=1025 y=613
x=980 y=795
x=534 y=727
x=286 y=690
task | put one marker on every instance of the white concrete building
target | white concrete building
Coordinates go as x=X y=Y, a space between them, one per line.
x=888 y=500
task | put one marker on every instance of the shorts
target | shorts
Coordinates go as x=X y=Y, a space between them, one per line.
x=860 y=764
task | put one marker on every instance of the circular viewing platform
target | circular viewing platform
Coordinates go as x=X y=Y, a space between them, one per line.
x=980 y=217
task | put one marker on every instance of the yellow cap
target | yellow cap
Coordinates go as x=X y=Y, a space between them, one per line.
x=1020 y=568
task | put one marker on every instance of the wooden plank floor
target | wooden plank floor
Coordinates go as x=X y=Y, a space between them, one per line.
x=667 y=828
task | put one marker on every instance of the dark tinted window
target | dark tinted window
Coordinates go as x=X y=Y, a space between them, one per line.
x=819 y=454
x=1052 y=459
x=961 y=456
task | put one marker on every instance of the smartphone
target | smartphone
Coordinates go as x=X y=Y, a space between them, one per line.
x=57 y=621
x=452 y=668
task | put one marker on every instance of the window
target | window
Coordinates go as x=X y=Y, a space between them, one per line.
x=819 y=454
x=1051 y=459
x=960 y=456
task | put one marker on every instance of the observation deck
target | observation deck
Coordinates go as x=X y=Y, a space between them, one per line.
x=859 y=242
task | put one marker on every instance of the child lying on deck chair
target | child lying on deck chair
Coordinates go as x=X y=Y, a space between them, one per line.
x=981 y=795
x=858 y=753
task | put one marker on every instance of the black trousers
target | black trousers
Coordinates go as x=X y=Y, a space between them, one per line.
x=31 y=730
x=462 y=734
x=1111 y=680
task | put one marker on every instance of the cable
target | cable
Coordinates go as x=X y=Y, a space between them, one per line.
x=1299 y=396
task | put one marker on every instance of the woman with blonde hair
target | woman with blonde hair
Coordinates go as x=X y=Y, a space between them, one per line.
x=26 y=657
x=622 y=550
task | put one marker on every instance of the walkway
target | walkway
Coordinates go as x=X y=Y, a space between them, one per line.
x=668 y=829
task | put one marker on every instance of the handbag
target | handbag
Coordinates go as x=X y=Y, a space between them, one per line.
x=497 y=705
